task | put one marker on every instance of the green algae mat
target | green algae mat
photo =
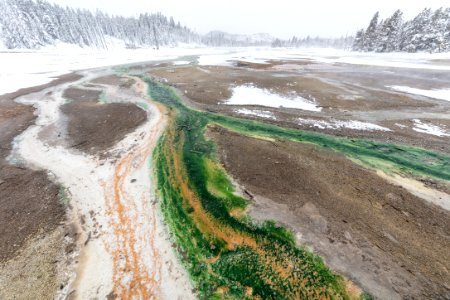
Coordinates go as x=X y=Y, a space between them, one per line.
x=227 y=255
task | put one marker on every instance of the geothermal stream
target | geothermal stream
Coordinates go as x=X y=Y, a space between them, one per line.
x=124 y=247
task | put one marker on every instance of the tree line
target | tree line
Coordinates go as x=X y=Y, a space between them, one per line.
x=429 y=31
x=32 y=24
x=315 y=42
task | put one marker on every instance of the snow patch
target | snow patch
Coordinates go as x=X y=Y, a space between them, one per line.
x=258 y=113
x=249 y=59
x=215 y=60
x=338 y=124
x=181 y=62
x=400 y=125
x=250 y=95
x=442 y=94
x=255 y=55
x=419 y=126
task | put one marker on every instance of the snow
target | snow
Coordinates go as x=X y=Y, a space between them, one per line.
x=181 y=62
x=418 y=60
x=27 y=68
x=434 y=61
x=400 y=125
x=21 y=69
x=441 y=94
x=419 y=126
x=338 y=124
x=258 y=113
x=215 y=60
x=250 y=95
x=248 y=54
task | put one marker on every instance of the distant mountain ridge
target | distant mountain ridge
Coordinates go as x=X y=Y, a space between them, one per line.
x=28 y=24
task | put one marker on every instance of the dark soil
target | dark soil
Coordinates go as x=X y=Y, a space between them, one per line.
x=114 y=80
x=95 y=127
x=29 y=204
x=405 y=136
x=390 y=242
x=271 y=63
x=77 y=94
x=214 y=86
x=207 y=87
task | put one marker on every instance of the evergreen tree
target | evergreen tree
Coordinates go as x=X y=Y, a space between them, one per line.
x=30 y=24
x=371 y=34
x=436 y=37
x=389 y=34
x=358 y=43
x=428 y=31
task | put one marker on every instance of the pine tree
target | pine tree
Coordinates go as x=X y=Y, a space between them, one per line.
x=415 y=32
x=389 y=34
x=358 y=43
x=436 y=37
x=371 y=34
x=428 y=31
x=447 y=31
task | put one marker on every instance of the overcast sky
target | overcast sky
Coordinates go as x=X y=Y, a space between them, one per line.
x=281 y=18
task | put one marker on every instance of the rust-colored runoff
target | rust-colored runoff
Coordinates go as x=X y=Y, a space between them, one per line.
x=132 y=276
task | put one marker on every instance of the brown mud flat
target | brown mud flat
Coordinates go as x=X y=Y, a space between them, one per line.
x=34 y=236
x=272 y=63
x=7 y=99
x=30 y=209
x=33 y=272
x=16 y=117
x=344 y=94
x=77 y=94
x=95 y=127
x=392 y=243
x=114 y=80
x=29 y=200
x=405 y=136
x=211 y=85
x=29 y=204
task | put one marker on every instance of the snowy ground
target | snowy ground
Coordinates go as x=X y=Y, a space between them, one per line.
x=257 y=113
x=434 y=61
x=337 y=124
x=419 y=126
x=20 y=69
x=250 y=95
x=442 y=94
x=25 y=68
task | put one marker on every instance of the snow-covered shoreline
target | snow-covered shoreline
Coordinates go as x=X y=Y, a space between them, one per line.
x=27 y=68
